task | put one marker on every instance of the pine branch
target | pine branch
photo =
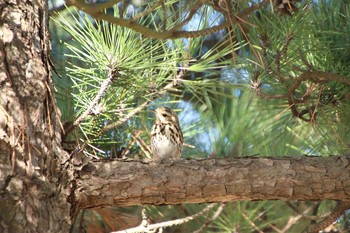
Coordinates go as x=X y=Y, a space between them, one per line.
x=176 y=81
x=104 y=86
x=167 y=34
x=152 y=227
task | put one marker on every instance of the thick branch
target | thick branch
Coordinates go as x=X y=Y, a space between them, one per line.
x=125 y=183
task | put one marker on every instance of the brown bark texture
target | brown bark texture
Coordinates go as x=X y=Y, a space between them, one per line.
x=32 y=191
x=125 y=183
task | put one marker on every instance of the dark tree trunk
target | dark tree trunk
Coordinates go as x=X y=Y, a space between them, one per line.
x=32 y=187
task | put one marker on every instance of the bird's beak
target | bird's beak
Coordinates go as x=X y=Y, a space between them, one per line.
x=152 y=110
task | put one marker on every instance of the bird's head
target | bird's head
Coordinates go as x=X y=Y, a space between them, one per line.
x=165 y=115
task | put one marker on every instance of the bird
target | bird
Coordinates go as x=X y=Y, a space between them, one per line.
x=166 y=135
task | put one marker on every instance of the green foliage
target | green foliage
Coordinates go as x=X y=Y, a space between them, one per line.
x=281 y=50
x=136 y=67
x=117 y=70
x=333 y=27
x=242 y=216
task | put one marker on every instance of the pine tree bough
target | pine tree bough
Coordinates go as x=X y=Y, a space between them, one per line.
x=96 y=11
x=126 y=183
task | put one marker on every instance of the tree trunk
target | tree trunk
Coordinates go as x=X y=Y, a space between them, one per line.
x=127 y=183
x=33 y=189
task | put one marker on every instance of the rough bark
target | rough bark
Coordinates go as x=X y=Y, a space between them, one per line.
x=32 y=188
x=125 y=183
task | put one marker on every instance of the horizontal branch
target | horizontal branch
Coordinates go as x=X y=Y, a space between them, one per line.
x=125 y=183
x=148 y=32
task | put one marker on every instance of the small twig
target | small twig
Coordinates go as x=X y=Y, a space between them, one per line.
x=189 y=17
x=294 y=109
x=126 y=150
x=291 y=221
x=164 y=15
x=126 y=118
x=256 y=86
x=251 y=223
x=269 y=224
x=146 y=12
x=91 y=155
x=142 y=144
x=98 y=7
x=273 y=227
x=268 y=96
x=104 y=86
x=287 y=41
x=315 y=77
x=292 y=207
x=278 y=61
x=152 y=227
x=209 y=221
x=256 y=54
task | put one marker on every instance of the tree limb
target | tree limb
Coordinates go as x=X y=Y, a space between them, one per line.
x=172 y=34
x=133 y=182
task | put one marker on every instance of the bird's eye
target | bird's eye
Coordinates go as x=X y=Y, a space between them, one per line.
x=164 y=115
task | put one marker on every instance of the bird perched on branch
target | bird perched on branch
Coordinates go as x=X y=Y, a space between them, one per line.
x=166 y=135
